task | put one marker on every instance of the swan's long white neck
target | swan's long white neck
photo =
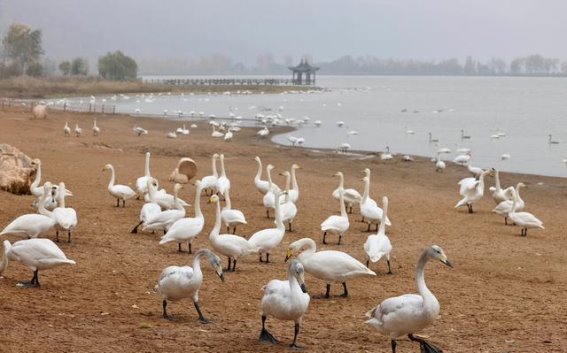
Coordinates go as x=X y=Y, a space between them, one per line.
x=151 y=190
x=223 y=171
x=176 y=204
x=308 y=245
x=270 y=184
x=37 y=179
x=259 y=173
x=197 y=263
x=294 y=180
x=147 y=165
x=61 y=196
x=4 y=262
x=287 y=184
x=294 y=287
x=366 y=189
x=497 y=180
x=342 y=201
x=216 y=228
x=41 y=204
x=341 y=181
x=428 y=297
x=198 y=212
x=382 y=229
x=111 y=183
x=279 y=223
x=481 y=181
x=514 y=201
x=228 y=204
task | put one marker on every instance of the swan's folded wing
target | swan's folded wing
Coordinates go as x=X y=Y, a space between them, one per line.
x=399 y=305
x=276 y=286
x=174 y=271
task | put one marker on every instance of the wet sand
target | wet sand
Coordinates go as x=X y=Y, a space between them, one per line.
x=505 y=294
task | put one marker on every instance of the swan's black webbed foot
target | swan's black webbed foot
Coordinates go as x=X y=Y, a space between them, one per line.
x=425 y=347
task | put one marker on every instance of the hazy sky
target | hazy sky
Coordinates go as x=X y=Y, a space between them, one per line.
x=325 y=29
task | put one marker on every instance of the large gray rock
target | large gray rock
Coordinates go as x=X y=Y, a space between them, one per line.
x=16 y=170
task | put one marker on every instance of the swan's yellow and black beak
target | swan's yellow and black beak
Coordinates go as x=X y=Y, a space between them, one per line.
x=219 y=272
x=445 y=260
x=288 y=255
x=301 y=281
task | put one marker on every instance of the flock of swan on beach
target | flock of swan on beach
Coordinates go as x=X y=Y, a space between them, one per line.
x=285 y=300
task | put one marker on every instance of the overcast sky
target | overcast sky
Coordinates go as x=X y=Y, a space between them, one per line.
x=325 y=29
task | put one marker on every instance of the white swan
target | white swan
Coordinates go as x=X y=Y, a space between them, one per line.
x=369 y=209
x=285 y=300
x=266 y=240
x=36 y=254
x=223 y=183
x=51 y=202
x=65 y=218
x=386 y=156
x=78 y=131
x=138 y=130
x=32 y=225
x=294 y=192
x=269 y=199
x=149 y=209
x=410 y=313
x=164 y=219
x=462 y=159
x=378 y=245
x=210 y=182
x=439 y=164
x=287 y=208
x=162 y=198
x=263 y=186
x=186 y=229
x=229 y=245
x=498 y=194
x=96 y=129
x=505 y=206
x=330 y=266
x=216 y=133
x=66 y=129
x=231 y=217
x=180 y=282
x=351 y=196
x=121 y=192
x=142 y=182
x=472 y=190
x=336 y=224
x=475 y=171
x=525 y=220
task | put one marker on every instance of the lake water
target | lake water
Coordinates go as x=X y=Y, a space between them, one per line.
x=381 y=109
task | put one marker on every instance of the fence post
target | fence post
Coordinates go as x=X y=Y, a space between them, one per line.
x=102 y=109
x=90 y=107
x=113 y=109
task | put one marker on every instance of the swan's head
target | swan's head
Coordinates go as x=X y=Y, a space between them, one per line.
x=338 y=174
x=177 y=187
x=215 y=156
x=270 y=167
x=295 y=166
x=285 y=174
x=222 y=157
x=107 y=167
x=215 y=262
x=47 y=187
x=385 y=201
x=521 y=185
x=257 y=159
x=366 y=172
x=296 y=270
x=435 y=252
x=36 y=162
x=490 y=172
x=214 y=199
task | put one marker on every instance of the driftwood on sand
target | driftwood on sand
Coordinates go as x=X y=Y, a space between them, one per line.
x=40 y=111
x=16 y=170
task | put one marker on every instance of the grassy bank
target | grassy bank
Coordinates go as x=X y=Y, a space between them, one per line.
x=29 y=87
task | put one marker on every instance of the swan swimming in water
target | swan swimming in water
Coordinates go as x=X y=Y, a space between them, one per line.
x=180 y=282
x=410 y=313
x=36 y=254
x=285 y=300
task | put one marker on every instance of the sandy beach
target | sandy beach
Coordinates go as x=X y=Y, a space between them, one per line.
x=506 y=293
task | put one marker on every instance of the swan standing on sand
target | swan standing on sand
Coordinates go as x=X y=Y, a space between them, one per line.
x=369 y=209
x=269 y=199
x=65 y=218
x=330 y=266
x=285 y=300
x=287 y=208
x=96 y=129
x=294 y=192
x=33 y=224
x=142 y=182
x=410 y=313
x=266 y=240
x=138 y=130
x=262 y=185
x=505 y=206
x=498 y=194
x=121 y=192
x=180 y=282
x=216 y=133
x=162 y=198
x=51 y=202
x=231 y=217
x=78 y=130
x=336 y=224
x=525 y=220
x=66 y=129
x=472 y=190
x=378 y=245
x=36 y=254
x=439 y=164
x=223 y=182
x=186 y=229
x=149 y=209
x=351 y=196
x=164 y=219
x=475 y=171
x=210 y=182
x=229 y=245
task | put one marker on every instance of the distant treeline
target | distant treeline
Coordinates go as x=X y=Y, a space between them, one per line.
x=218 y=64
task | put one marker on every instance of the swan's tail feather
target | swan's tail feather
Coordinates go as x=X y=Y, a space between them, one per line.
x=461 y=203
x=4 y=262
x=70 y=262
